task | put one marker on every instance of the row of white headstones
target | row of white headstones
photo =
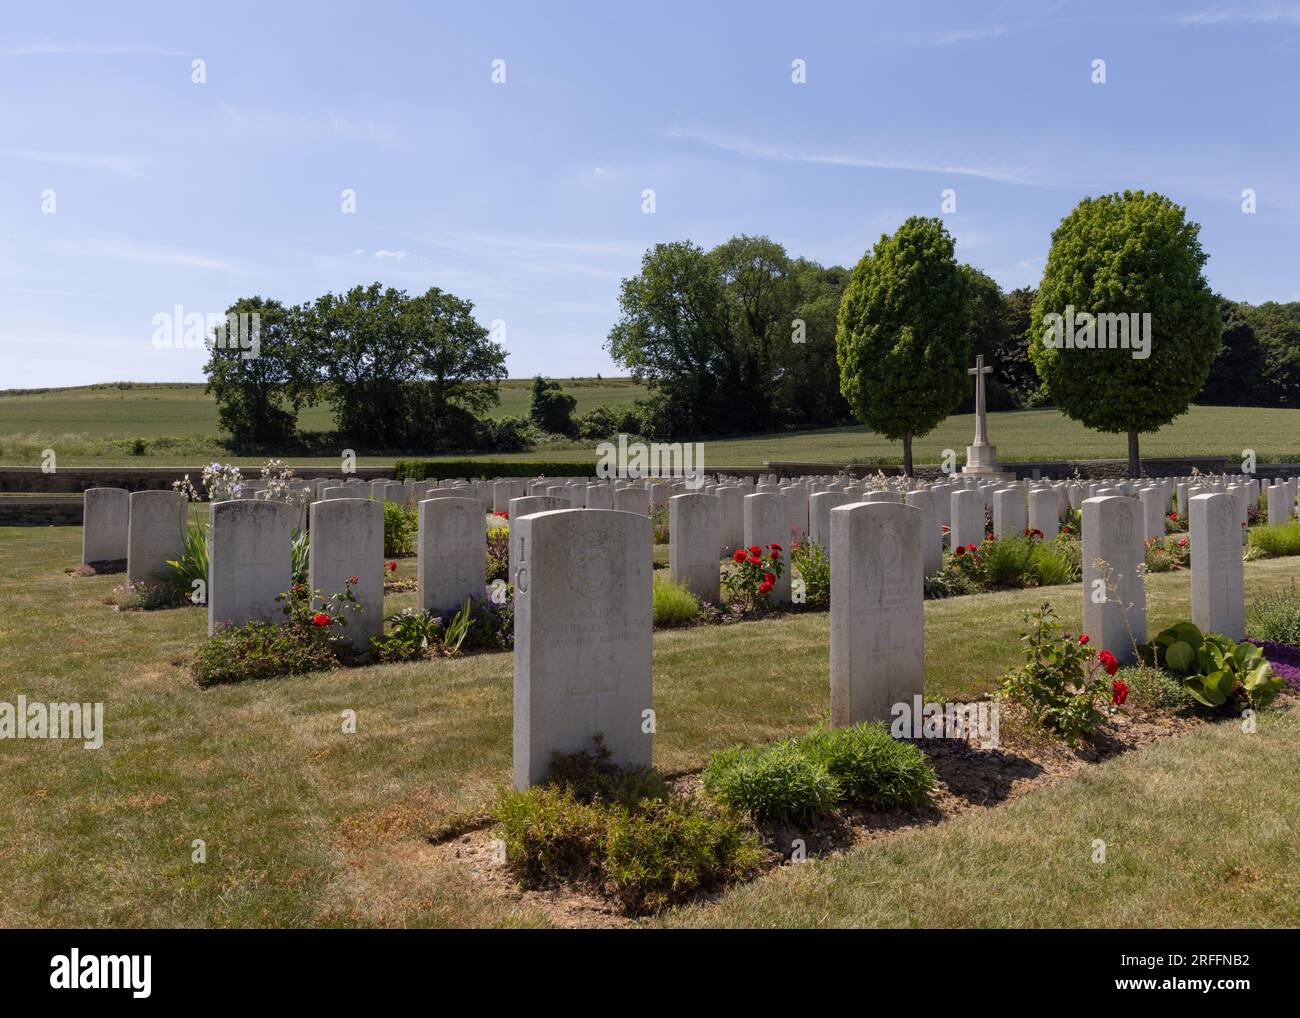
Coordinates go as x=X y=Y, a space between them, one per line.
x=582 y=576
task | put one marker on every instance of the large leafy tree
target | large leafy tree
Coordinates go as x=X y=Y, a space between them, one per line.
x=903 y=337
x=551 y=408
x=261 y=380
x=1278 y=328
x=1235 y=372
x=714 y=334
x=1122 y=254
x=404 y=371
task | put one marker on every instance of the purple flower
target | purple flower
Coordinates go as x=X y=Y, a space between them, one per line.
x=1285 y=660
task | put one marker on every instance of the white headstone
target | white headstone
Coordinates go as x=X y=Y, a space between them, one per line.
x=250 y=561
x=452 y=552
x=877 y=643
x=1218 y=577
x=582 y=638
x=766 y=522
x=105 y=516
x=694 y=537
x=155 y=532
x=1114 y=596
x=347 y=540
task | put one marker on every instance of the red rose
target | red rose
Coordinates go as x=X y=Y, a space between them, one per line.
x=775 y=546
x=764 y=589
x=971 y=547
x=769 y=579
x=1119 y=691
x=961 y=550
x=1109 y=662
x=776 y=556
x=320 y=619
x=739 y=555
x=755 y=550
x=1083 y=638
x=755 y=560
x=353 y=581
x=392 y=567
x=944 y=529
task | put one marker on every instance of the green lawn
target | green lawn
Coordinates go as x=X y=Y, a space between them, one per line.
x=307 y=826
x=96 y=426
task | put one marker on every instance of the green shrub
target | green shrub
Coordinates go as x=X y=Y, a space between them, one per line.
x=673 y=604
x=1052 y=563
x=1006 y=560
x=1217 y=671
x=412 y=635
x=873 y=769
x=814 y=566
x=400 y=527
x=619 y=830
x=1153 y=688
x=260 y=650
x=777 y=782
x=1276 y=617
x=424 y=470
x=1062 y=679
x=550 y=836
x=300 y=555
x=667 y=850
x=1277 y=539
x=498 y=551
x=149 y=595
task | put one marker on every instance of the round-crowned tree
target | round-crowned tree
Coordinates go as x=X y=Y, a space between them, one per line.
x=1124 y=327
x=903 y=333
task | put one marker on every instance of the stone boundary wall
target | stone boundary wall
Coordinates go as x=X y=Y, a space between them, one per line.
x=37 y=511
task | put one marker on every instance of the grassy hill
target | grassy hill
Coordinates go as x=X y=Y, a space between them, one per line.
x=178 y=423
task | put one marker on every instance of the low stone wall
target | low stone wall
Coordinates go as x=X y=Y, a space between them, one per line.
x=1056 y=469
x=37 y=511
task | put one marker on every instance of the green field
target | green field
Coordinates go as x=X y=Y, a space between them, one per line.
x=97 y=425
x=304 y=825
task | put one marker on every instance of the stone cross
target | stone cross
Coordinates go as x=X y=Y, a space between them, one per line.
x=981 y=418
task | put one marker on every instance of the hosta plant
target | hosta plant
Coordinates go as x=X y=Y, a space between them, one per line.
x=1217 y=671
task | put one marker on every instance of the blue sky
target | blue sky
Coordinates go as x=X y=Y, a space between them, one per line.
x=526 y=197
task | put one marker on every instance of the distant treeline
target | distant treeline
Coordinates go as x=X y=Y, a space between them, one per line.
x=739 y=339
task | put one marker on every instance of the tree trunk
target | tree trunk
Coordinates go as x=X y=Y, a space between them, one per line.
x=1134 y=461
x=907 y=453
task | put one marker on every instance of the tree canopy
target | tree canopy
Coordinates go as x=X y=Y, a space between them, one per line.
x=903 y=339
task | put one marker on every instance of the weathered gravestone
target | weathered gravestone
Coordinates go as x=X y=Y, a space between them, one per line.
x=694 y=536
x=731 y=511
x=1218 y=576
x=1114 y=595
x=452 y=552
x=877 y=622
x=523 y=507
x=1044 y=512
x=819 y=515
x=1009 y=513
x=599 y=496
x=967 y=518
x=249 y=561
x=347 y=540
x=766 y=522
x=931 y=537
x=582 y=638
x=632 y=500
x=105 y=516
x=155 y=532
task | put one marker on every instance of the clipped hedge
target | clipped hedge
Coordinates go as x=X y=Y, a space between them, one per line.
x=425 y=470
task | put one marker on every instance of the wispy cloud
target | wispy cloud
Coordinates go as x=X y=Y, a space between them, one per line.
x=78 y=49
x=774 y=153
x=129 y=166
x=1273 y=14
x=277 y=124
x=959 y=36
x=141 y=254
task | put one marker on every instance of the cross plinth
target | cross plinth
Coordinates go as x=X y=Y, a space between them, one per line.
x=981 y=458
